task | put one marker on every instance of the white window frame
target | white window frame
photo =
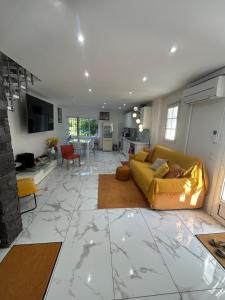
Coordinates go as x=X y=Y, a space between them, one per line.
x=173 y=105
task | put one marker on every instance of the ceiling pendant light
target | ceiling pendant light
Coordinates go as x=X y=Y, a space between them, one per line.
x=80 y=38
x=86 y=74
x=135 y=108
x=138 y=121
x=134 y=115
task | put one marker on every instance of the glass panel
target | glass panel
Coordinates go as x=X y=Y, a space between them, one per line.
x=93 y=127
x=172 y=134
x=107 y=131
x=84 y=127
x=169 y=123
x=72 y=126
x=170 y=112
x=167 y=135
x=174 y=124
x=175 y=111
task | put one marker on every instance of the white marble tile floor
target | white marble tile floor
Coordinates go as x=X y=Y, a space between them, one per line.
x=135 y=254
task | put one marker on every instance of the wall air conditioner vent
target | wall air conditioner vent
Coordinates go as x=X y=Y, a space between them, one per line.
x=208 y=90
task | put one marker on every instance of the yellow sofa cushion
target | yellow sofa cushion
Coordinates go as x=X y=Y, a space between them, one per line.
x=141 y=156
x=162 y=171
x=142 y=175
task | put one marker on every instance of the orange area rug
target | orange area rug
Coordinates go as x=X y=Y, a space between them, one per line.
x=26 y=270
x=113 y=193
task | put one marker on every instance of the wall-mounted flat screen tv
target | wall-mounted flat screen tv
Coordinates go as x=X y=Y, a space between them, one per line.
x=40 y=115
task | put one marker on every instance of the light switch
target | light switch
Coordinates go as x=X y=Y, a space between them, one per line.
x=215 y=137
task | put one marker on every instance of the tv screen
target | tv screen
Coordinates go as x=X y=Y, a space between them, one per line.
x=40 y=115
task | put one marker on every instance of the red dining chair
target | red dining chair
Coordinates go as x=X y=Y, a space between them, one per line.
x=69 y=154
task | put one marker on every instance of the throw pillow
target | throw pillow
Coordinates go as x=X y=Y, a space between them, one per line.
x=175 y=171
x=141 y=156
x=162 y=171
x=157 y=163
x=150 y=154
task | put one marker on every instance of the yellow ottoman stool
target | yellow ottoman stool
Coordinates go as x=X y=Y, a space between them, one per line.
x=123 y=173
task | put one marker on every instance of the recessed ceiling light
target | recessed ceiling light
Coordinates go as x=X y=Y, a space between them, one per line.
x=130 y=93
x=86 y=74
x=89 y=90
x=173 y=49
x=105 y=103
x=80 y=38
x=57 y=3
x=119 y=107
x=144 y=78
x=124 y=104
x=103 y=106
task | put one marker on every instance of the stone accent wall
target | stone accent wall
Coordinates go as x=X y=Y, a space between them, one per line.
x=10 y=218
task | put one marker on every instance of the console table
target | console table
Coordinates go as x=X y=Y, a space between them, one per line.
x=39 y=173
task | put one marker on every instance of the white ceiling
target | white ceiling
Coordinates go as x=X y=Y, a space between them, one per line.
x=124 y=40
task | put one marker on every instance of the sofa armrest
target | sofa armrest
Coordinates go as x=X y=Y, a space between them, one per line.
x=176 y=193
x=174 y=185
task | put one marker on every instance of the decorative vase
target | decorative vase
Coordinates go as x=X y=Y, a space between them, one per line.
x=53 y=151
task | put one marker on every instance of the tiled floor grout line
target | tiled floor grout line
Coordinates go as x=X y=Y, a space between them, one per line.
x=160 y=252
x=111 y=254
x=147 y=296
x=212 y=259
x=183 y=292
x=58 y=258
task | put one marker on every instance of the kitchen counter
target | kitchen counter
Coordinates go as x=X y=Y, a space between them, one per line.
x=132 y=146
x=133 y=141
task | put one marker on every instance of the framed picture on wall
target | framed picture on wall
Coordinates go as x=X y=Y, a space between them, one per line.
x=104 y=116
x=59 y=115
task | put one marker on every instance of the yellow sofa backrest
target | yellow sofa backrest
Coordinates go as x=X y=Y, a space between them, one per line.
x=174 y=157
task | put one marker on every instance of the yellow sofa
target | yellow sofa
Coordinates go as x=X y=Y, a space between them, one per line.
x=174 y=193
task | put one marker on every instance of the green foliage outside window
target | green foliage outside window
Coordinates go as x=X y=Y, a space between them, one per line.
x=85 y=127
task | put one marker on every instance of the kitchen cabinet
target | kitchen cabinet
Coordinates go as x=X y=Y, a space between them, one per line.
x=129 y=121
x=146 y=117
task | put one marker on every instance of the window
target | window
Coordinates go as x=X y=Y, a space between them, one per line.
x=171 y=122
x=82 y=127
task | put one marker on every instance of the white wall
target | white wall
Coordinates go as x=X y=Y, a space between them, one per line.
x=205 y=118
x=159 y=113
x=22 y=141
x=116 y=117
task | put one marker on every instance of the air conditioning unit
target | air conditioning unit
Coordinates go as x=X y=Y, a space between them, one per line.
x=213 y=88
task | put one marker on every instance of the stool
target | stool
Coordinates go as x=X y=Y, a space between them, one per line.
x=27 y=187
x=123 y=173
